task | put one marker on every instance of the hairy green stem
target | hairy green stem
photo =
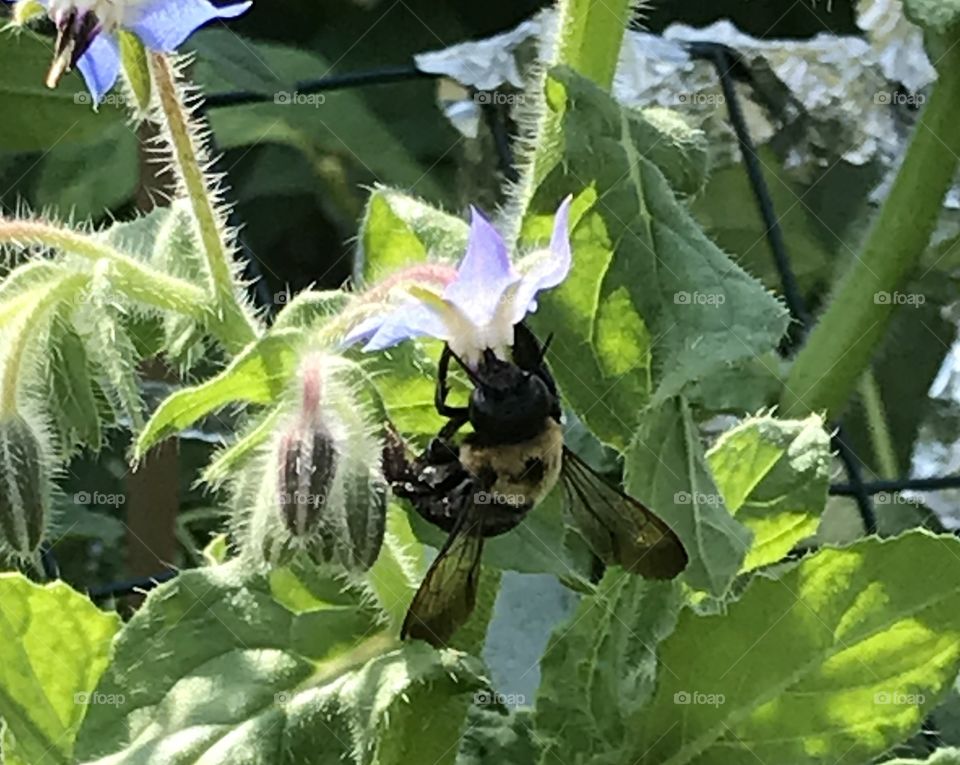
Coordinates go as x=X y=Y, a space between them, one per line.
x=18 y=341
x=588 y=38
x=878 y=426
x=134 y=279
x=591 y=35
x=238 y=328
x=827 y=368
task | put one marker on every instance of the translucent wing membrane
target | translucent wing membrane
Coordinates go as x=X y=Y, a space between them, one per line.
x=448 y=592
x=620 y=529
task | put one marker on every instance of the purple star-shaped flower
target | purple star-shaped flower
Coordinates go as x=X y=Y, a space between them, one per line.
x=484 y=301
x=87 y=32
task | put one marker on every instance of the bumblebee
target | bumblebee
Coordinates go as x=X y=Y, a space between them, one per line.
x=485 y=484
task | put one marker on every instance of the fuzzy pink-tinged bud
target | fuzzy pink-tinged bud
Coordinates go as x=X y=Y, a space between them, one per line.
x=330 y=496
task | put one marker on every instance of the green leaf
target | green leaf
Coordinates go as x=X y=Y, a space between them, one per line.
x=338 y=122
x=133 y=56
x=258 y=375
x=839 y=658
x=177 y=251
x=773 y=475
x=25 y=285
x=679 y=151
x=399 y=230
x=495 y=735
x=44 y=689
x=405 y=380
x=217 y=550
x=398 y=571
x=666 y=469
x=225 y=60
x=651 y=304
x=70 y=519
x=273 y=669
x=35 y=117
x=739 y=228
x=311 y=309
x=71 y=397
x=941 y=16
x=749 y=386
x=85 y=181
x=231 y=458
x=599 y=669
x=138 y=237
x=109 y=341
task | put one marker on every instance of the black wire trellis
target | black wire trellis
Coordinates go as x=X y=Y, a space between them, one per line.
x=730 y=67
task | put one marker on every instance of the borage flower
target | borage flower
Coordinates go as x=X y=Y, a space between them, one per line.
x=87 y=32
x=483 y=300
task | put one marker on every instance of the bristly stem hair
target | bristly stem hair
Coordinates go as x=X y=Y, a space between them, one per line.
x=238 y=326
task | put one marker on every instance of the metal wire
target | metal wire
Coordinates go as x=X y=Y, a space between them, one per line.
x=729 y=63
x=365 y=78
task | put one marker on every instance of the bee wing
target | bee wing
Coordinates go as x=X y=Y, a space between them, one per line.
x=448 y=592
x=620 y=529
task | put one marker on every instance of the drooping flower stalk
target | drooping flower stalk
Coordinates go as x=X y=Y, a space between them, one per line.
x=237 y=327
x=18 y=340
x=134 y=279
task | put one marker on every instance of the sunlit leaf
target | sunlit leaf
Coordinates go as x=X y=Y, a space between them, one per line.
x=773 y=475
x=258 y=375
x=45 y=691
x=837 y=659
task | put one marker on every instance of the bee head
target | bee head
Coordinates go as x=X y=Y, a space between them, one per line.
x=508 y=403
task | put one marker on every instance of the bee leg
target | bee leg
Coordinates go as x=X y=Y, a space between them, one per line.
x=397 y=467
x=448 y=431
x=443 y=390
x=441 y=451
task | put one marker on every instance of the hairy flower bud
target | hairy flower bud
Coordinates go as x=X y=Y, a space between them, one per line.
x=308 y=465
x=323 y=492
x=367 y=503
x=24 y=488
